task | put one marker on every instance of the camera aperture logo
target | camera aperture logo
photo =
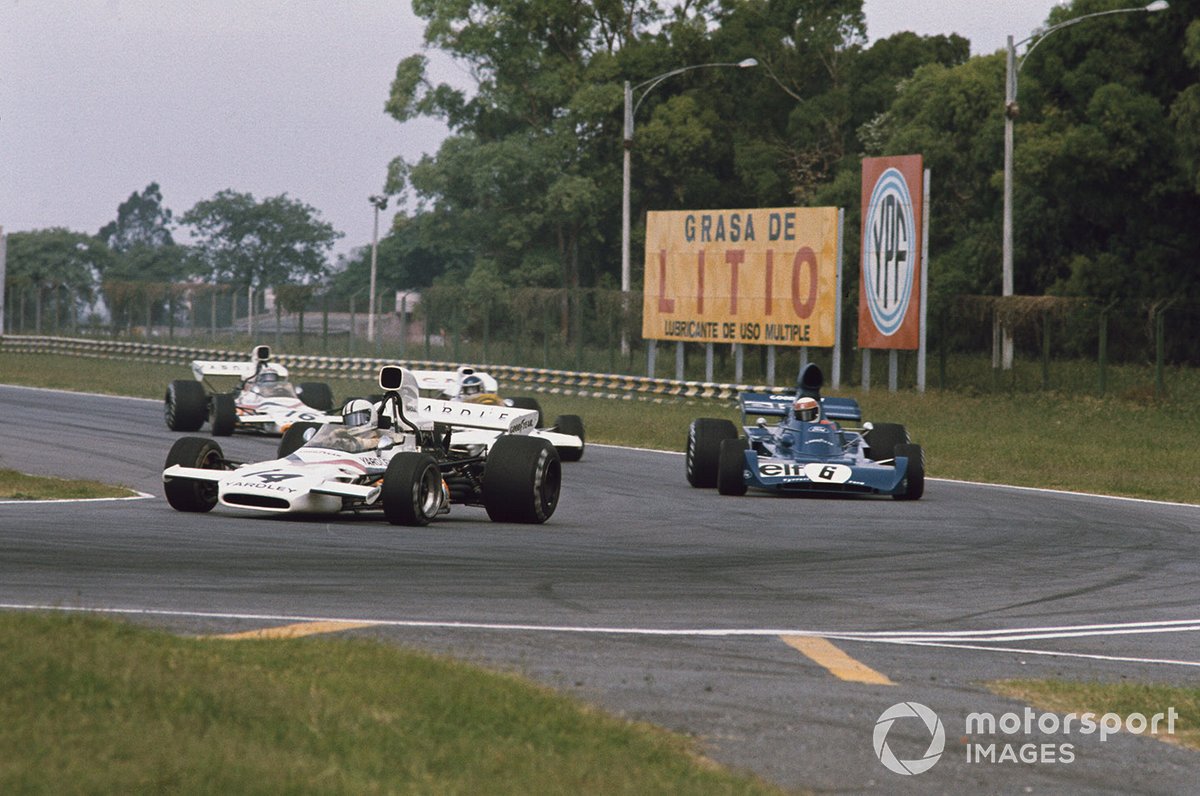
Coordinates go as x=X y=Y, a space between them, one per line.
x=1027 y=737
x=909 y=710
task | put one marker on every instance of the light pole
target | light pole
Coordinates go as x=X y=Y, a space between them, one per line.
x=1011 y=110
x=380 y=203
x=630 y=109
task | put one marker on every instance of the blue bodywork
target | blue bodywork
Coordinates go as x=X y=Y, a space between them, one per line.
x=813 y=457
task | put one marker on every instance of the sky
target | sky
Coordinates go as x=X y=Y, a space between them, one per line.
x=100 y=98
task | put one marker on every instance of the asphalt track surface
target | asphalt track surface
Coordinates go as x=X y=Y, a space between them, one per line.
x=775 y=631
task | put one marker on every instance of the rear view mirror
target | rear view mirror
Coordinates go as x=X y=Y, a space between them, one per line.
x=391 y=377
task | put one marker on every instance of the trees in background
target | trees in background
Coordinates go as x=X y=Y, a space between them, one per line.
x=259 y=244
x=52 y=274
x=526 y=189
x=528 y=183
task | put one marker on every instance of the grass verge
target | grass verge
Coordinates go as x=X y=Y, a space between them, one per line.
x=1121 y=699
x=96 y=706
x=1132 y=445
x=20 y=486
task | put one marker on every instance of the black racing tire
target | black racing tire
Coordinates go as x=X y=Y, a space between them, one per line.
x=731 y=465
x=185 y=406
x=703 y=452
x=573 y=425
x=185 y=494
x=914 y=476
x=412 y=489
x=882 y=440
x=526 y=402
x=222 y=418
x=316 y=394
x=521 y=479
x=295 y=437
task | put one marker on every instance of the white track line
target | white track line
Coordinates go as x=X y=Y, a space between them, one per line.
x=680 y=453
x=36 y=502
x=949 y=640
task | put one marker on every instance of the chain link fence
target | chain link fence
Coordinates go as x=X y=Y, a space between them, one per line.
x=1065 y=344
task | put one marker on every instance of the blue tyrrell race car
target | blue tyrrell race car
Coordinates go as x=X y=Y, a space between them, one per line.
x=807 y=451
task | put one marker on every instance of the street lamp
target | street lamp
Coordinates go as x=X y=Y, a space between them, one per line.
x=1011 y=110
x=380 y=203
x=630 y=109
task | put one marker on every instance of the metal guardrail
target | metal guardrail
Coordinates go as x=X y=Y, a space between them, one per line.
x=555 y=382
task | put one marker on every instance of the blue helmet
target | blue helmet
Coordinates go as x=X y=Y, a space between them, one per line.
x=471 y=385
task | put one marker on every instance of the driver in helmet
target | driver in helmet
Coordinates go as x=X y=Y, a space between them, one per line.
x=807 y=410
x=471 y=386
x=359 y=413
x=360 y=426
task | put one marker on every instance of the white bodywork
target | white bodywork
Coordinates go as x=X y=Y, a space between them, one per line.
x=341 y=468
x=272 y=408
x=448 y=386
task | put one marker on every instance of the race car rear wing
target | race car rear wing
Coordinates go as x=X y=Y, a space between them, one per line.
x=203 y=368
x=448 y=381
x=471 y=415
x=767 y=404
x=260 y=359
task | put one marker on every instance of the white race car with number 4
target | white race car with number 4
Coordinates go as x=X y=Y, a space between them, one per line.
x=263 y=399
x=400 y=456
x=468 y=385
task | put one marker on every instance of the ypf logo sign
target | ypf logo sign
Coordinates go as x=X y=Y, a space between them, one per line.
x=889 y=289
x=937 y=741
x=889 y=255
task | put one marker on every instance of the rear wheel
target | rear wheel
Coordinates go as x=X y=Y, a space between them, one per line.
x=185 y=406
x=526 y=402
x=882 y=440
x=914 y=476
x=703 y=452
x=317 y=395
x=573 y=425
x=295 y=437
x=521 y=480
x=732 y=463
x=223 y=416
x=184 y=494
x=412 y=489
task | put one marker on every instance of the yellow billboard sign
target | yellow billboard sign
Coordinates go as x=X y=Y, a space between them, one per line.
x=760 y=277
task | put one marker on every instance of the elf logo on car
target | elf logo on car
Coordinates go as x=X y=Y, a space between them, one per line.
x=890 y=228
x=773 y=470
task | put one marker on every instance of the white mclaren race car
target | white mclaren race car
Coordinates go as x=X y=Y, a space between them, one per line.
x=403 y=456
x=468 y=385
x=262 y=399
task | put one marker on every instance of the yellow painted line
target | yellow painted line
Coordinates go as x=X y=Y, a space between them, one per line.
x=839 y=664
x=297 y=630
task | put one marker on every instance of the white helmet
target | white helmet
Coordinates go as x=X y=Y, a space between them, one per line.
x=358 y=412
x=807 y=409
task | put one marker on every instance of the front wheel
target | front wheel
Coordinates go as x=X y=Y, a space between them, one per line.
x=731 y=466
x=223 y=418
x=882 y=439
x=412 y=489
x=521 y=480
x=573 y=425
x=914 y=476
x=185 y=405
x=703 y=452
x=526 y=402
x=185 y=494
x=294 y=438
x=317 y=395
